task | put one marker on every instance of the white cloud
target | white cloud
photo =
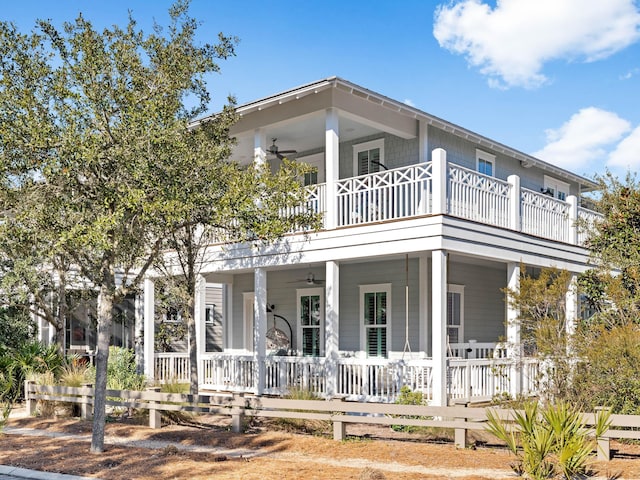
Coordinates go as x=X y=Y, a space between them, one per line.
x=408 y=101
x=511 y=42
x=627 y=153
x=584 y=139
x=630 y=74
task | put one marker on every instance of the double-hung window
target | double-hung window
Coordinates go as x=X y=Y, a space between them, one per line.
x=310 y=325
x=368 y=157
x=485 y=163
x=375 y=314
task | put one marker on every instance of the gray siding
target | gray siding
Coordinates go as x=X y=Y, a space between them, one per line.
x=484 y=307
x=214 y=331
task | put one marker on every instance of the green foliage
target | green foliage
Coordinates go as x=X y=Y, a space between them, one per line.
x=609 y=371
x=16 y=327
x=408 y=397
x=541 y=302
x=547 y=442
x=121 y=370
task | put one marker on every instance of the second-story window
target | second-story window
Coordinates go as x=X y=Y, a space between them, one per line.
x=485 y=163
x=368 y=157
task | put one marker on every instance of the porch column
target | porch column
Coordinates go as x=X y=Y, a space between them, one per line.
x=572 y=200
x=514 y=203
x=439 y=326
x=439 y=179
x=332 y=170
x=138 y=331
x=571 y=309
x=423 y=309
x=149 y=328
x=514 y=344
x=199 y=304
x=259 y=147
x=260 y=327
x=332 y=325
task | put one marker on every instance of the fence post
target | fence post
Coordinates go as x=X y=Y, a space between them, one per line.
x=30 y=402
x=86 y=404
x=460 y=434
x=339 y=427
x=155 y=419
x=604 y=443
x=237 y=412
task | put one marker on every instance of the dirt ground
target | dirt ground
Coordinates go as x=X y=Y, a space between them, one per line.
x=267 y=451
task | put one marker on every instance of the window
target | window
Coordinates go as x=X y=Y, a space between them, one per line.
x=375 y=309
x=210 y=314
x=317 y=161
x=485 y=163
x=368 y=157
x=555 y=188
x=173 y=315
x=310 y=316
x=455 y=314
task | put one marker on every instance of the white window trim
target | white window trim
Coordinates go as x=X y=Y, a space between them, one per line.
x=303 y=292
x=360 y=147
x=452 y=288
x=378 y=287
x=248 y=321
x=487 y=157
x=557 y=185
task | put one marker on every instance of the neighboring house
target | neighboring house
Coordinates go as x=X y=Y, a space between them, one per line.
x=425 y=225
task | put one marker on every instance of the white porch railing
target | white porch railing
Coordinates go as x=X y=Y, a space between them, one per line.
x=388 y=195
x=478 y=197
x=476 y=350
x=545 y=216
x=363 y=379
x=305 y=373
x=587 y=219
x=172 y=367
x=478 y=380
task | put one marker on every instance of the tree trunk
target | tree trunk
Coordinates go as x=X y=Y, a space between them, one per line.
x=105 y=306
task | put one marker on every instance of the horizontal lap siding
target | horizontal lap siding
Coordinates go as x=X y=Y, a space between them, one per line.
x=484 y=307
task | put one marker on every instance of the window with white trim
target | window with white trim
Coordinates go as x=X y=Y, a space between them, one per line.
x=317 y=175
x=555 y=188
x=368 y=157
x=485 y=163
x=310 y=321
x=455 y=314
x=375 y=315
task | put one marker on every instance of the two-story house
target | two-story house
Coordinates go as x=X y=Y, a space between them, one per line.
x=425 y=224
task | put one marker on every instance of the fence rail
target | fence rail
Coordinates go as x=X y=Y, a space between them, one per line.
x=338 y=412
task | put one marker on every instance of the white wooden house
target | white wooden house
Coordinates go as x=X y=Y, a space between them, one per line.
x=425 y=224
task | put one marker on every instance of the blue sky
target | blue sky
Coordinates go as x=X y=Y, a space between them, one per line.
x=559 y=79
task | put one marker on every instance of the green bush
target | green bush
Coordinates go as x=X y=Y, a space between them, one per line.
x=121 y=370
x=408 y=397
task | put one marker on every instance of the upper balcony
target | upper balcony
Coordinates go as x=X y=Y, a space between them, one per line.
x=412 y=191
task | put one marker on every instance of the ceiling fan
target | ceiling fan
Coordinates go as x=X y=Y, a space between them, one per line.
x=310 y=279
x=273 y=150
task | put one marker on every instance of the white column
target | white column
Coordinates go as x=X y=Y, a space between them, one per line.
x=572 y=200
x=423 y=298
x=572 y=308
x=423 y=142
x=439 y=326
x=149 y=328
x=138 y=330
x=332 y=324
x=260 y=326
x=332 y=170
x=199 y=312
x=259 y=147
x=514 y=203
x=439 y=180
x=514 y=343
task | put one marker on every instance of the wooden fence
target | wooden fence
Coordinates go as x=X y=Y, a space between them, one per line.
x=460 y=419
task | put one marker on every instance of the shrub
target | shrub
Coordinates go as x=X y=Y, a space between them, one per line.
x=547 y=442
x=408 y=397
x=121 y=370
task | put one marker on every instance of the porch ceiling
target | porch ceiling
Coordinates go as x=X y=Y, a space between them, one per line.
x=302 y=134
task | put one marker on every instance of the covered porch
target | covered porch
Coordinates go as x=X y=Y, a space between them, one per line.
x=441 y=329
